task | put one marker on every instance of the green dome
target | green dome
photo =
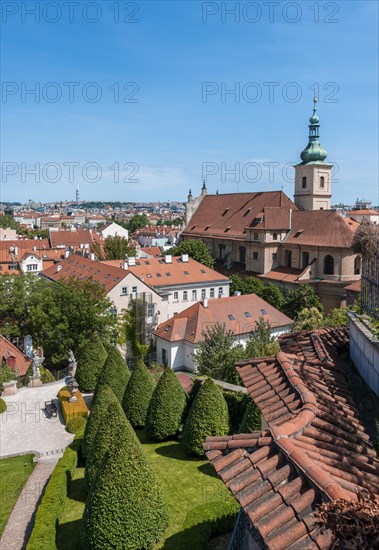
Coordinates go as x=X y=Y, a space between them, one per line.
x=313 y=152
x=314 y=118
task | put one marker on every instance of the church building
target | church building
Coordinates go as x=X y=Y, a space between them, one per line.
x=283 y=241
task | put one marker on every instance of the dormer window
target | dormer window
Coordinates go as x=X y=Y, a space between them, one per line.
x=227 y=229
x=247 y=212
x=225 y=211
x=304 y=182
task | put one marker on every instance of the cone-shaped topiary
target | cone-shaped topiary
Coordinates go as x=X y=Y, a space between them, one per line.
x=138 y=394
x=125 y=506
x=166 y=407
x=252 y=420
x=107 y=436
x=91 y=359
x=208 y=416
x=115 y=373
x=98 y=410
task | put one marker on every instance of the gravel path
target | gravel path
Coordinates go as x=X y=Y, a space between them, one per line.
x=20 y=522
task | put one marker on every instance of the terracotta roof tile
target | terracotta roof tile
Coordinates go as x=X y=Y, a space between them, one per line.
x=14 y=358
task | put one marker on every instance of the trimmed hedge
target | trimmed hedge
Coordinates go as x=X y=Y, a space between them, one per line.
x=50 y=509
x=91 y=357
x=99 y=408
x=71 y=410
x=76 y=425
x=137 y=395
x=213 y=518
x=252 y=419
x=166 y=407
x=125 y=506
x=3 y=406
x=107 y=436
x=237 y=403
x=115 y=373
x=208 y=416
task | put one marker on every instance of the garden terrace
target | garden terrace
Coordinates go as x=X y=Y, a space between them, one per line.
x=315 y=448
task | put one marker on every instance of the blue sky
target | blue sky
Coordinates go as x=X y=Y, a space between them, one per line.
x=176 y=132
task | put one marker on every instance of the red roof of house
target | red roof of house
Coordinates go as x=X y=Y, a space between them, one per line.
x=71 y=238
x=237 y=211
x=83 y=268
x=315 y=448
x=14 y=358
x=322 y=228
x=355 y=286
x=154 y=251
x=239 y=314
x=364 y=212
x=185 y=380
x=282 y=273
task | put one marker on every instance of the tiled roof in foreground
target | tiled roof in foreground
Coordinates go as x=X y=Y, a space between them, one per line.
x=315 y=448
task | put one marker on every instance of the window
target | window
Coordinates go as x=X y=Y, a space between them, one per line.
x=247 y=314
x=124 y=291
x=221 y=251
x=164 y=356
x=242 y=251
x=220 y=292
x=193 y=227
x=203 y=293
x=168 y=274
x=231 y=317
x=158 y=274
x=264 y=312
x=328 y=265
x=357 y=265
x=255 y=236
x=134 y=290
x=225 y=211
x=275 y=236
x=148 y=275
x=274 y=256
x=202 y=270
x=186 y=273
x=322 y=182
x=194 y=295
x=211 y=293
x=227 y=229
x=255 y=255
x=185 y=296
x=206 y=229
x=305 y=259
x=303 y=182
x=150 y=310
x=176 y=296
x=32 y=267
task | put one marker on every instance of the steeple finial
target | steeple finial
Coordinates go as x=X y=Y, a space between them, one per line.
x=313 y=152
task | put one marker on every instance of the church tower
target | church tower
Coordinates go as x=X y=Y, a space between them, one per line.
x=313 y=176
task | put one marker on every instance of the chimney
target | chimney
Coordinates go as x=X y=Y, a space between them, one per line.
x=205 y=302
x=185 y=258
x=66 y=253
x=124 y=265
x=92 y=256
x=132 y=260
x=237 y=293
x=59 y=267
x=168 y=259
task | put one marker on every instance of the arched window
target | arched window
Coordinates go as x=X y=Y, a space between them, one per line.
x=328 y=265
x=357 y=265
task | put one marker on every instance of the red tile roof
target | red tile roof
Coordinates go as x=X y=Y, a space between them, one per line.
x=83 y=268
x=185 y=380
x=282 y=273
x=231 y=312
x=71 y=238
x=315 y=448
x=154 y=251
x=14 y=358
x=322 y=228
x=355 y=287
x=238 y=211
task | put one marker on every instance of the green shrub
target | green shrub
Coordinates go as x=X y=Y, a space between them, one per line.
x=208 y=416
x=99 y=408
x=191 y=397
x=212 y=518
x=26 y=379
x=166 y=407
x=3 y=406
x=74 y=408
x=115 y=373
x=50 y=509
x=91 y=359
x=237 y=403
x=137 y=395
x=252 y=419
x=76 y=425
x=6 y=375
x=125 y=506
x=107 y=436
x=46 y=376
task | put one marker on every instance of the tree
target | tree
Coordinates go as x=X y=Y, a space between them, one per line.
x=107 y=437
x=261 y=343
x=91 y=358
x=309 y=319
x=136 y=222
x=273 y=295
x=100 y=403
x=138 y=394
x=175 y=222
x=6 y=375
x=237 y=284
x=208 y=417
x=300 y=298
x=129 y=329
x=16 y=294
x=252 y=419
x=337 y=318
x=166 y=407
x=115 y=373
x=217 y=353
x=196 y=249
x=125 y=506
x=8 y=222
x=114 y=248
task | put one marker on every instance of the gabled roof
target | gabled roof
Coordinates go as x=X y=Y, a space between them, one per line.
x=238 y=211
x=315 y=448
x=8 y=351
x=322 y=228
x=71 y=238
x=238 y=314
x=83 y=268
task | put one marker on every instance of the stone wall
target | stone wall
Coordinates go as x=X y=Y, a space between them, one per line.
x=364 y=352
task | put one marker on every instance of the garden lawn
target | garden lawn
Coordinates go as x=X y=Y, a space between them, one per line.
x=13 y=475
x=186 y=483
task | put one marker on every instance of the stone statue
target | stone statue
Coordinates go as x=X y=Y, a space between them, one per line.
x=38 y=359
x=72 y=363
